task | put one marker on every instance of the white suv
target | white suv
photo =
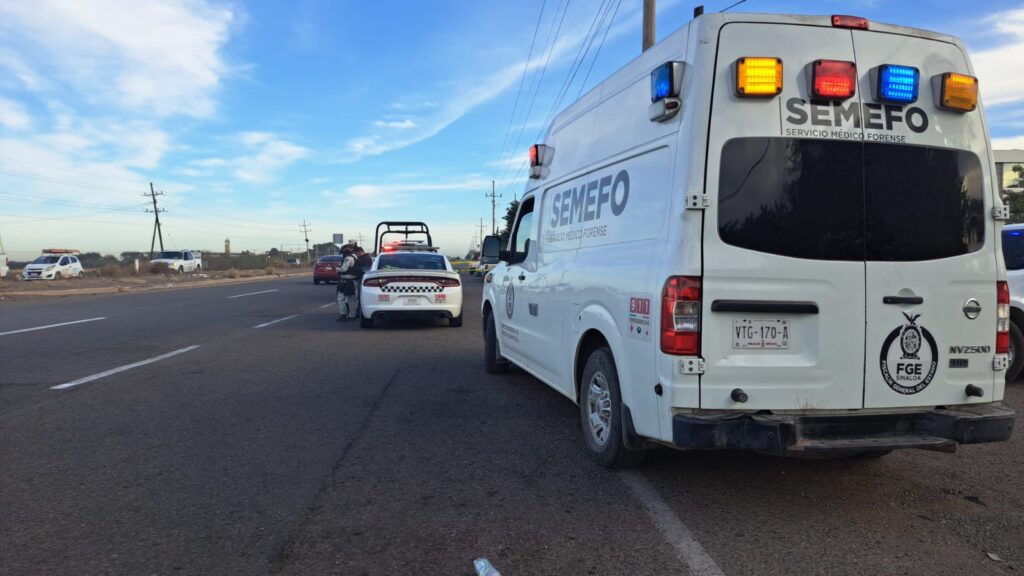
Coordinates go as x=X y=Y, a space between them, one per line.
x=53 y=267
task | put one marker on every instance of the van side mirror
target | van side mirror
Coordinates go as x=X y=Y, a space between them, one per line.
x=491 y=249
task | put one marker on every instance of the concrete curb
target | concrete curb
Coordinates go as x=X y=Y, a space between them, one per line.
x=155 y=288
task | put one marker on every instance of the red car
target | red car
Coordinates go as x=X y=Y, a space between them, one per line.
x=326 y=269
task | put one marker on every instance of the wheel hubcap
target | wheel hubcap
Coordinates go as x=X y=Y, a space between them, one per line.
x=1011 y=353
x=599 y=409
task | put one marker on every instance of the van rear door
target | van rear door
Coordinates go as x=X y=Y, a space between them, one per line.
x=931 y=258
x=783 y=285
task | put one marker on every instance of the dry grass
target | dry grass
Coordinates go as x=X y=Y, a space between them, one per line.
x=269 y=271
x=159 y=268
x=110 y=270
x=233 y=273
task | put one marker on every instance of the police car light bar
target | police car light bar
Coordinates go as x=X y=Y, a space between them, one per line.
x=959 y=92
x=897 y=84
x=758 y=76
x=841 y=21
x=833 y=79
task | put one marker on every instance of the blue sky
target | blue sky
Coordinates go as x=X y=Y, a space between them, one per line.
x=252 y=117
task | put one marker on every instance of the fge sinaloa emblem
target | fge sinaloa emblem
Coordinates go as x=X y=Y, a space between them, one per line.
x=908 y=366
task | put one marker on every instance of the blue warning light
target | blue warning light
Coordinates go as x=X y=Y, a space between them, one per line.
x=897 y=84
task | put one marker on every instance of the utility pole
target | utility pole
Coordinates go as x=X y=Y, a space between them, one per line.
x=494 y=200
x=156 y=224
x=306 y=230
x=648 y=39
x=481 y=232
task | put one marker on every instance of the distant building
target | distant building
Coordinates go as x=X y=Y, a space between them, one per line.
x=1010 y=170
x=227 y=246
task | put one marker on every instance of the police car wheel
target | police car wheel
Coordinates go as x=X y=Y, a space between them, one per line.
x=365 y=322
x=315 y=281
x=493 y=362
x=601 y=414
x=1016 y=353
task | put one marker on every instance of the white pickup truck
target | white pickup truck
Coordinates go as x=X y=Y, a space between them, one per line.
x=185 y=261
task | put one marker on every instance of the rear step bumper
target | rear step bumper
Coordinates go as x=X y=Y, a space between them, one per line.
x=936 y=429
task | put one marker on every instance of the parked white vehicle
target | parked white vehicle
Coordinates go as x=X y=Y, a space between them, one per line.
x=53 y=266
x=182 y=262
x=5 y=265
x=410 y=281
x=1013 y=256
x=773 y=233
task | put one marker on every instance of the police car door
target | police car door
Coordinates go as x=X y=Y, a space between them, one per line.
x=931 y=240
x=783 y=284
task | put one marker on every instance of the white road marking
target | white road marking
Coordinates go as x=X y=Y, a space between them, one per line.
x=113 y=371
x=671 y=527
x=52 y=326
x=326 y=305
x=265 y=324
x=252 y=293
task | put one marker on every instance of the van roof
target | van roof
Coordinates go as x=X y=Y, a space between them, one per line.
x=670 y=46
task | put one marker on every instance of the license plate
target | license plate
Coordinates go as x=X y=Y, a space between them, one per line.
x=760 y=334
x=411 y=300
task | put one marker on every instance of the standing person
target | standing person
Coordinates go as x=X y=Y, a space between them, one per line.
x=363 y=262
x=345 y=284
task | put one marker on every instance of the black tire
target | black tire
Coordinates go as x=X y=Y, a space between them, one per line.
x=315 y=282
x=613 y=452
x=365 y=322
x=1017 y=351
x=56 y=276
x=181 y=270
x=456 y=321
x=493 y=362
x=198 y=269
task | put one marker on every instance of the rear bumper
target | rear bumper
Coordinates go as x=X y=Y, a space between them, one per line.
x=846 y=433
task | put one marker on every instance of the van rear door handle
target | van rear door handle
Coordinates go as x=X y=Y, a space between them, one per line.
x=902 y=300
x=522 y=276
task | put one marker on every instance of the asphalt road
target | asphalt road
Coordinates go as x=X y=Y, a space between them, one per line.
x=305 y=446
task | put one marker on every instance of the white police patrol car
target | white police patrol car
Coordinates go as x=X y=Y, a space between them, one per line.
x=774 y=233
x=410 y=279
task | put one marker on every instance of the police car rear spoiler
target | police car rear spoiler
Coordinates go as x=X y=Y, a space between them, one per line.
x=403 y=228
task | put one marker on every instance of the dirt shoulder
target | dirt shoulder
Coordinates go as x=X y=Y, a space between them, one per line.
x=10 y=289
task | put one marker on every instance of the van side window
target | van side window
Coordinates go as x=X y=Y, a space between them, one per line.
x=521 y=241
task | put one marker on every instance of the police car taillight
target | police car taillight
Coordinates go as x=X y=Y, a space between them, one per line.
x=1002 y=318
x=897 y=84
x=449 y=282
x=842 y=21
x=833 y=79
x=375 y=282
x=680 y=316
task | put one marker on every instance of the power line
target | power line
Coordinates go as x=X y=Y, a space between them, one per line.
x=72 y=171
x=62 y=181
x=599 y=46
x=553 y=39
x=522 y=81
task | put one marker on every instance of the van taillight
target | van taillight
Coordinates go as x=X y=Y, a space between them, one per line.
x=680 y=316
x=1002 y=318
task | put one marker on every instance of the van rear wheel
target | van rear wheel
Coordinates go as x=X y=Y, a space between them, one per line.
x=601 y=414
x=1016 y=355
x=493 y=362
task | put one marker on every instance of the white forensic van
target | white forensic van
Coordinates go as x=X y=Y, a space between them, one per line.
x=773 y=233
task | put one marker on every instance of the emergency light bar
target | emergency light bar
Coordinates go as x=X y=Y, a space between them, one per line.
x=897 y=84
x=666 y=86
x=758 y=76
x=959 y=92
x=833 y=79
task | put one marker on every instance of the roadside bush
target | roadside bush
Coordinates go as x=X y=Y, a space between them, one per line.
x=110 y=270
x=233 y=273
x=269 y=271
x=158 y=268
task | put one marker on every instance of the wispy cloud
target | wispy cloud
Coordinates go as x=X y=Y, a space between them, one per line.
x=163 y=57
x=1000 y=69
x=395 y=124
x=13 y=115
x=268 y=155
